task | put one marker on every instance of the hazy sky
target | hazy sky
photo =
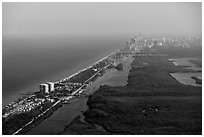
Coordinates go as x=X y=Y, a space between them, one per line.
x=55 y=19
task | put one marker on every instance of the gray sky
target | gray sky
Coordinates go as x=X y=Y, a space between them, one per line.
x=51 y=19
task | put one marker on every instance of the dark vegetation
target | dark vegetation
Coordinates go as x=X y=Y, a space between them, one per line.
x=153 y=102
x=82 y=77
x=86 y=74
x=119 y=66
x=77 y=127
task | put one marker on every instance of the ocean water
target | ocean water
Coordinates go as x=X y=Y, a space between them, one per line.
x=65 y=114
x=27 y=62
x=185 y=78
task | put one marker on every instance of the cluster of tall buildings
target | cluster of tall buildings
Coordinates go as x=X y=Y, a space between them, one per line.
x=152 y=41
x=47 y=88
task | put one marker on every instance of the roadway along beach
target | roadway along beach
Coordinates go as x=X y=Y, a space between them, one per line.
x=63 y=93
x=60 y=118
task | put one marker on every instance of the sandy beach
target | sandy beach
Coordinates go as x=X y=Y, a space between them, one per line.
x=66 y=114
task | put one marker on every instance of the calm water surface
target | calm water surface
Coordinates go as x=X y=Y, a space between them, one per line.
x=185 y=78
x=29 y=62
x=185 y=62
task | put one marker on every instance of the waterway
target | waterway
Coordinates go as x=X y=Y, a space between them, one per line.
x=26 y=63
x=185 y=62
x=185 y=78
x=64 y=115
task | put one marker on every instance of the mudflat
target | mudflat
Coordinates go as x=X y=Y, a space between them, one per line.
x=153 y=102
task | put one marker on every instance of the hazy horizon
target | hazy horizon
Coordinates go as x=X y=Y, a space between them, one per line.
x=98 y=19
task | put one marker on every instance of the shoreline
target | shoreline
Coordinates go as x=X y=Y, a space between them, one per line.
x=64 y=79
x=76 y=107
x=33 y=87
x=10 y=109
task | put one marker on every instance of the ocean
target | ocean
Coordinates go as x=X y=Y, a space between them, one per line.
x=27 y=62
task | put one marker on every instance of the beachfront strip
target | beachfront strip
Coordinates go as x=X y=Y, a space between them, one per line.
x=28 y=111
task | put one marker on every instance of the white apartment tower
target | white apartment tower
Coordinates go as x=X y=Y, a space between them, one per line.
x=44 y=88
x=51 y=86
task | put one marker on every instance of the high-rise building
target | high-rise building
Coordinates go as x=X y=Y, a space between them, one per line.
x=51 y=86
x=44 y=88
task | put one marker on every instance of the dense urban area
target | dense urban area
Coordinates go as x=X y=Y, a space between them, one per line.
x=28 y=111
